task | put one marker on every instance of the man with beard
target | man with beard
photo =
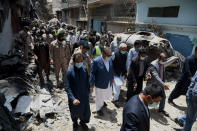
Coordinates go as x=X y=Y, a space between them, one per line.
x=41 y=51
x=60 y=55
x=136 y=74
x=119 y=64
x=102 y=77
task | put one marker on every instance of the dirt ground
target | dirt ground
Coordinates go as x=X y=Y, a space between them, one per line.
x=112 y=119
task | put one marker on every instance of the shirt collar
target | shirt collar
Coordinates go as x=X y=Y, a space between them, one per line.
x=103 y=58
x=142 y=101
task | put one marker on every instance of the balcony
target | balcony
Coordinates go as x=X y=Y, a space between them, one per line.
x=97 y=3
x=64 y=5
x=72 y=4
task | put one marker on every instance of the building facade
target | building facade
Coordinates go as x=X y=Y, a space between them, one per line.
x=177 y=19
x=75 y=12
x=110 y=15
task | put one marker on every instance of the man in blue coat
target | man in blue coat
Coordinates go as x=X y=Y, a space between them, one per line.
x=189 y=69
x=102 y=77
x=136 y=116
x=78 y=88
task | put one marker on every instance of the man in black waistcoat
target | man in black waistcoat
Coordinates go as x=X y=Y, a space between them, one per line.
x=119 y=64
x=137 y=71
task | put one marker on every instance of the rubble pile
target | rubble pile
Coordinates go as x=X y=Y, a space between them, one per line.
x=155 y=45
x=7 y=122
x=24 y=99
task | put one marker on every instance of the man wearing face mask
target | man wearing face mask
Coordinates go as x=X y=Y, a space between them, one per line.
x=41 y=51
x=102 y=77
x=86 y=58
x=78 y=88
x=60 y=52
x=119 y=64
x=157 y=72
x=136 y=74
x=133 y=52
x=189 y=69
x=97 y=51
x=136 y=115
x=116 y=43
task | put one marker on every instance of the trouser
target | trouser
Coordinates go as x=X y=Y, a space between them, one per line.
x=101 y=96
x=131 y=91
x=63 y=66
x=162 y=102
x=116 y=90
x=190 y=117
x=25 y=50
x=77 y=114
x=46 y=69
x=180 y=89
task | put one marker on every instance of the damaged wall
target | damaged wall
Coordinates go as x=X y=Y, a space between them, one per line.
x=6 y=36
x=180 y=30
x=10 y=13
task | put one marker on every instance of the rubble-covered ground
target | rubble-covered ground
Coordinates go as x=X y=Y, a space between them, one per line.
x=46 y=108
x=113 y=114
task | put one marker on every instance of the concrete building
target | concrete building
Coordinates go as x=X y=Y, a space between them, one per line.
x=113 y=15
x=11 y=13
x=177 y=19
x=75 y=12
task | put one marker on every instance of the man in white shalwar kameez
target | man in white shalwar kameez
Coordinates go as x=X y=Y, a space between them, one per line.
x=102 y=77
x=119 y=59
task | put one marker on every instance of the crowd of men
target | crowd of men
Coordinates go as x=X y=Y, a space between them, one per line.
x=89 y=61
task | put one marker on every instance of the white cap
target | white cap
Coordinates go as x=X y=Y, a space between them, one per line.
x=123 y=45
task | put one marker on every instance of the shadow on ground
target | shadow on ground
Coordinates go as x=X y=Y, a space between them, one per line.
x=158 y=117
x=109 y=115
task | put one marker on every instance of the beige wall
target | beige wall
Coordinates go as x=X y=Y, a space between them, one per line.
x=117 y=28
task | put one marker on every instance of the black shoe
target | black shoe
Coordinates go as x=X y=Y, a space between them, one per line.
x=100 y=113
x=164 y=113
x=75 y=125
x=83 y=125
x=171 y=102
x=181 y=124
x=116 y=103
x=105 y=105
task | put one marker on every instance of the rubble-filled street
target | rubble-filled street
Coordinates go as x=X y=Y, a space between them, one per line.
x=98 y=65
x=46 y=108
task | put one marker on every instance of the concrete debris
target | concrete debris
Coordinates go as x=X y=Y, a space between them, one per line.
x=7 y=122
x=11 y=91
x=43 y=105
x=23 y=105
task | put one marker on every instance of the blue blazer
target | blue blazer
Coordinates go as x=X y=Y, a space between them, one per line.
x=99 y=76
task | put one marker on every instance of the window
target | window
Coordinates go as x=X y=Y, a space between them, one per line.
x=171 y=11
x=64 y=1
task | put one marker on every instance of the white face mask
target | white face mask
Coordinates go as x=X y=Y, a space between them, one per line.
x=123 y=52
x=154 y=104
x=142 y=58
x=108 y=58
